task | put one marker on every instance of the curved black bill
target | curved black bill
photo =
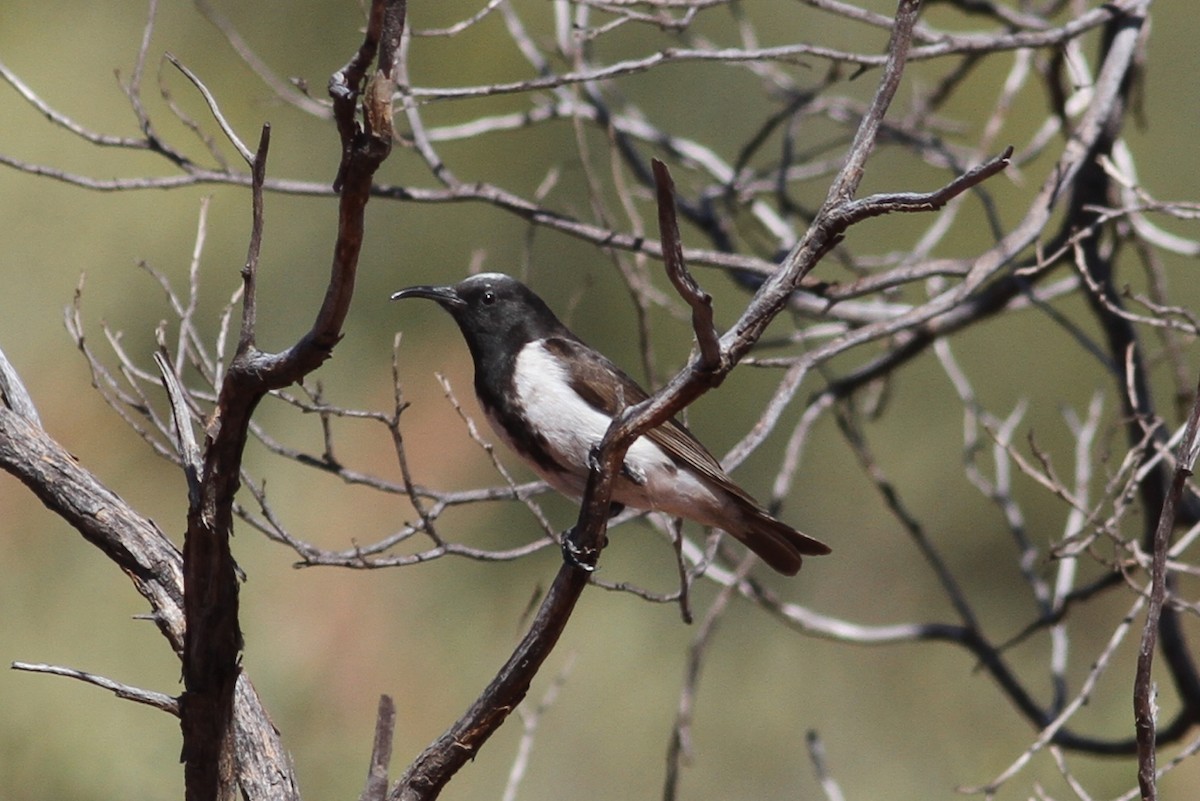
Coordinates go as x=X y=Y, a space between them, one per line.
x=445 y=295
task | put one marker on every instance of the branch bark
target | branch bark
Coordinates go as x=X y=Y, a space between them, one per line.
x=228 y=741
x=1145 y=706
x=213 y=639
x=143 y=553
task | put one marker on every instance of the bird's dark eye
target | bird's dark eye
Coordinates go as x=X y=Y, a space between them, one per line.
x=488 y=298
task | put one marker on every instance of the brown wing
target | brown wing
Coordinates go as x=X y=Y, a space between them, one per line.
x=609 y=389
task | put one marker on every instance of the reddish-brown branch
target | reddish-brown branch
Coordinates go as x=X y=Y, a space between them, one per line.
x=213 y=638
x=438 y=763
x=212 y=635
x=707 y=339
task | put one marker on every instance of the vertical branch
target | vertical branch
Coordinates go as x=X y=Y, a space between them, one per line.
x=672 y=246
x=376 y=786
x=212 y=636
x=679 y=748
x=816 y=755
x=213 y=639
x=1145 y=709
x=258 y=167
x=851 y=174
x=364 y=148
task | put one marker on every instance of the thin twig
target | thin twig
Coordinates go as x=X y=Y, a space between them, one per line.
x=679 y=747
x=530 y=720
x=672 y=245
x=189 y=451
x=816 y=755
x=148 y=697
x=215 y=109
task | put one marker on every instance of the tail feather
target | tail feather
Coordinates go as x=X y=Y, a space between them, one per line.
x=775 y=542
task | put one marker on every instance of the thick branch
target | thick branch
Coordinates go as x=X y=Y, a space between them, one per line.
x=13 y=393
x=438 y=763
x=213 y=642
x=151 y=561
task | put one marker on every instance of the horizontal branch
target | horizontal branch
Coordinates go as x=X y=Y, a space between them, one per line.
x=948 y=44
x=161 y=701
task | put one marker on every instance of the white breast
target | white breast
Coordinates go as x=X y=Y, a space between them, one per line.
x=572 y=428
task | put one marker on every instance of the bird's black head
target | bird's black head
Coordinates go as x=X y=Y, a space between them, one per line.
x=496 y=313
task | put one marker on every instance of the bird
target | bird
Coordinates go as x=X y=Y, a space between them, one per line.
x=550 y=398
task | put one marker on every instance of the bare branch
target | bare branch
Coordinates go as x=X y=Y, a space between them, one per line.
x=157 y=700
x=144 y=554
x=1052 y=731
x=283 y=90
x=438 y=763
x=381 y=752
x=679 y=748
x=1085 y=516
x=230 y=134
x=14 y=395
x=816 y=755
x=1145 y=708
x=530 y=719
x=685 y=284
x=189 y=451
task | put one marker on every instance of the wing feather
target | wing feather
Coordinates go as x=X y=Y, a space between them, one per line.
x=609 y=389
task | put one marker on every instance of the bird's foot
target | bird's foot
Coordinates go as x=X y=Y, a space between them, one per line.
x=578 y=556
x=630 y=472
x=593 y=458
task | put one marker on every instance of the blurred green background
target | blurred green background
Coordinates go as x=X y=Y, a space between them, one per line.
x=322 y=644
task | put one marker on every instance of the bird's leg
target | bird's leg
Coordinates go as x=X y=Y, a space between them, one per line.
x=593 y=459
x=585 y=558
x=634 y=474
x=630 y=472
x=576 y=556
